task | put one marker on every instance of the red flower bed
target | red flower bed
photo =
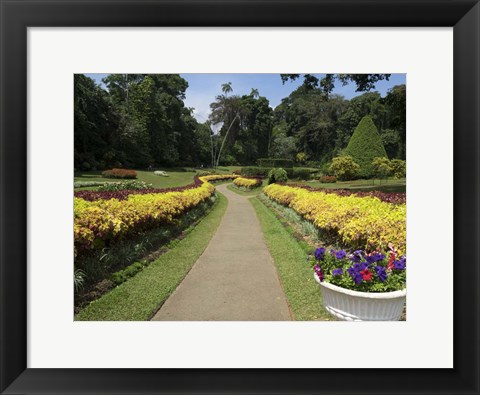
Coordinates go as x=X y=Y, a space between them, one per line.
x=120 y=173
x=388 y=197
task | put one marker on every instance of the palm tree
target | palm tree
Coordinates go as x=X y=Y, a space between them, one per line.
x=227 y=88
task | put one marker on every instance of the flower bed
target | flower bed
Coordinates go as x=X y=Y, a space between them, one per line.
x=357 y=222
x=387 y=197
x=248 y=183
x=120 y=173
x=106 y=218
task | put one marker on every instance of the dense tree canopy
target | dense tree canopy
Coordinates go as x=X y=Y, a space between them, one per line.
x=139 y=120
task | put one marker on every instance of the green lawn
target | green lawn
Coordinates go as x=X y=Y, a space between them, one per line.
x=175 y=178
x=302 y=292
x=139 y=298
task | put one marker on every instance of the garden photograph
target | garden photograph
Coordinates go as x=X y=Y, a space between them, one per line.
x=240 y=197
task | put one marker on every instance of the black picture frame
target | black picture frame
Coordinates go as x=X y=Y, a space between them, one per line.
x=18 y=15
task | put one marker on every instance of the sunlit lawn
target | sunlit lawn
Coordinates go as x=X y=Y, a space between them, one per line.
x=174 y=179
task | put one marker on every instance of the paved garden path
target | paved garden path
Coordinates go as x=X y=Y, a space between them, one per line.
x=235 y=277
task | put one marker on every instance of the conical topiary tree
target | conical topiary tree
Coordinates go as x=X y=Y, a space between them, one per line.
x=365 y=145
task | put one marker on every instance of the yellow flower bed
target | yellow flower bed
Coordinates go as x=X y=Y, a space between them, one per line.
x=359 y=222
x=247 y=182
x=102 y=221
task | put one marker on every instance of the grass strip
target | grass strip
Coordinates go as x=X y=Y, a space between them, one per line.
x=139 y=298
x=253 y=192
x=303 y=293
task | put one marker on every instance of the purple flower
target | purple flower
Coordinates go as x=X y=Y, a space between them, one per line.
x=332 y=252
x=356 y=256
x=355 y=273
x=400 y=264
x=381 y=273
x=319 y=253
x=340 y=254
x=374 y=257
x=337 y=272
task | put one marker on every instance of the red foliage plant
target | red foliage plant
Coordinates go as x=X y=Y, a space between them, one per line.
x=120 y=173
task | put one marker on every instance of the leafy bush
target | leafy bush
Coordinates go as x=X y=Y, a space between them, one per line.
x=248 y=183
x=253 y=171
x=130 y=271
x=365 y=145
x=270 y=162
x=344 y=168
x=399 y=168
x=277 y=175
x=300 y=173
x=120 y=186
x=120 y=173
x=301 y=157
x=381 y=167
x=328 y=179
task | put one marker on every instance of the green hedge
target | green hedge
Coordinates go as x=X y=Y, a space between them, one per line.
x=297 y=173
x=274 y=163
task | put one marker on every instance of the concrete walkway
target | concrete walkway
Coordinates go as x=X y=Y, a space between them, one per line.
x=235 y=278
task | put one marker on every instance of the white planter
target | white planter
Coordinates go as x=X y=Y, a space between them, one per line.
x=348 y=305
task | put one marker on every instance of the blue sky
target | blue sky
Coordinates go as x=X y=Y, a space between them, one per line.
x=202 y=88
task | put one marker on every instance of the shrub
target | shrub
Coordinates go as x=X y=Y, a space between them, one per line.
x=277 y=175
x=271 y=162
x=120 y=186
x=365 y=145
x=300 y=173
x=301 y=157
x=381 y=167
x=253 y=171
x=120 y=173
x=328 y=179
x=399 y=168
x=248 y=183
x=344 y=168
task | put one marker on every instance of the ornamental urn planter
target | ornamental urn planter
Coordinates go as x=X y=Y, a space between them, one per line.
x=348 y=305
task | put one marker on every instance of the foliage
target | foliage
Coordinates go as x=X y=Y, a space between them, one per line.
x=344 y=168
x=124 y=185
x=399 y=168
x=248 y=183
x=360 y=271
x=78 y=280
x=365 y=145
x=253 y=171
x=300 y=173
x=357 y=222
x=328 y=179
x=120 y=173
x=301 y=157
x=123 y=275
x=381 y=167
x=271 y=162
x=277 y=175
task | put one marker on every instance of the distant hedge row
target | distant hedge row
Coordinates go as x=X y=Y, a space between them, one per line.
x=275 y=163
x=299 y=173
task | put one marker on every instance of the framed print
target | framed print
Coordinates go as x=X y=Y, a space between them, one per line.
x=147 y=105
